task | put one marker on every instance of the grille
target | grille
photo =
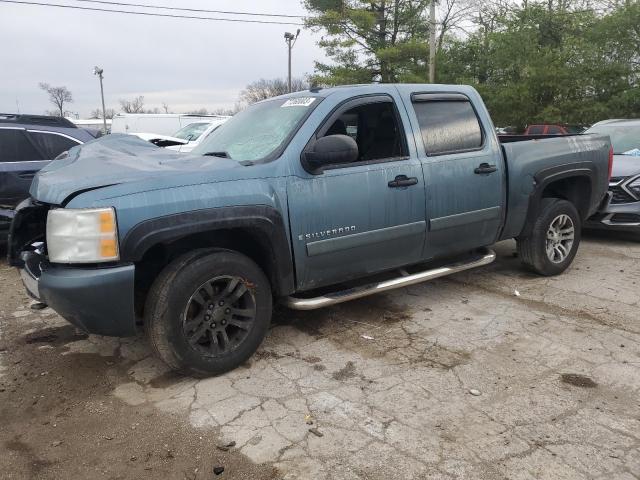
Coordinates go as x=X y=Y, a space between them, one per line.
x=620 y=195
x=626 y=218
x=28 y=226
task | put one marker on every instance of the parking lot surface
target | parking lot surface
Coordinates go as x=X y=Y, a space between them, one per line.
x=490 y=374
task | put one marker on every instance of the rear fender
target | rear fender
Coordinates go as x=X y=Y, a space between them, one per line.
x=553 y=182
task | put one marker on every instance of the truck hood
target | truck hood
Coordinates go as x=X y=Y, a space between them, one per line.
x=625 y=166
x=118 y=159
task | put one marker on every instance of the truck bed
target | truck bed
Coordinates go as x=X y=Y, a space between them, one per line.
x=529 y=157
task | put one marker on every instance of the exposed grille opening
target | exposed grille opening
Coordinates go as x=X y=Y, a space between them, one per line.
x=28 y=226
x=625 y=218
x=620 y=195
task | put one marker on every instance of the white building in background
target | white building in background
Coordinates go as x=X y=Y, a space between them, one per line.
x=158 y=123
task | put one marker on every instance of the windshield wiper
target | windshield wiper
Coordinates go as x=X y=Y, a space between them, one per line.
x=218 y=154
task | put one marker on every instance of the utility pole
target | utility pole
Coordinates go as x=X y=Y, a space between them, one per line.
x=290 y=39
x=432 y=42
x=99 y=71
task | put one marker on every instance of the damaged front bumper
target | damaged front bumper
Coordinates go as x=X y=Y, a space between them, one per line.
x=96 y=299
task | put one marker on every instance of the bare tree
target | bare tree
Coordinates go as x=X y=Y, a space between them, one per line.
x=454 y=16
x=59 y=96
x=263 y=89
x=97 y=113
x=227 y=111
x=165 y=107
x=132 y=106
x=199 y=111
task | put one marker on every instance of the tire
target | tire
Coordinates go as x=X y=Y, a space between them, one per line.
x=194 y=299
x=556 y=216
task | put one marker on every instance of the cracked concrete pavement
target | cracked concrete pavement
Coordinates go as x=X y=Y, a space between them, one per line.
x=460 y=378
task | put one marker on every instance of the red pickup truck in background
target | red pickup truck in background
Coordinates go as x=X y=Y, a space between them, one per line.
x=553 y=129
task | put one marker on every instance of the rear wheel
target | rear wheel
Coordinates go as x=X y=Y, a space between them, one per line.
x=208 y=311
x=554 y=239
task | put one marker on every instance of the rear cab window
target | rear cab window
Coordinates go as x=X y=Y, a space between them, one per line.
x=16 y=147
x=448 y=123
x=554 y=130
x=535 y=130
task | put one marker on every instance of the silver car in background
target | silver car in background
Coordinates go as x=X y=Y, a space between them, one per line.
x=621 y=209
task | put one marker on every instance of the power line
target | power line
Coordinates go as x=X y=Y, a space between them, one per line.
x=150 y=14
x=182 y=9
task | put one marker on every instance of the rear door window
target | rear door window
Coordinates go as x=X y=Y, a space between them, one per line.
x=448 y=126
x=16 y=147
x=52 y=144
x=535 y=130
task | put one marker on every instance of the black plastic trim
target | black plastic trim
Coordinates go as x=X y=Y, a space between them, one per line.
x=439 y=97
x=549 y=175
x=262 y=220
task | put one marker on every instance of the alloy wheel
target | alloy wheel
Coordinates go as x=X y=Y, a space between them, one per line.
x=219 y=316
x=560 y=236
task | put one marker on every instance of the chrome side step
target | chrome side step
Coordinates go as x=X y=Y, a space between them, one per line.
x=485 y=257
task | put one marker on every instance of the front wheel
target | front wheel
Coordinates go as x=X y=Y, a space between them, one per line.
x=208 y=311
x=553 y=242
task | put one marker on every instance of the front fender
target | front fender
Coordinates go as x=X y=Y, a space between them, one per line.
x=263 y=220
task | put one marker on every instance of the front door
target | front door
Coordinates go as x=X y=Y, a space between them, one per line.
x=361 y=218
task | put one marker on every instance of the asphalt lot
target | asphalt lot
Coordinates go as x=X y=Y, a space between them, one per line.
x=489 y=374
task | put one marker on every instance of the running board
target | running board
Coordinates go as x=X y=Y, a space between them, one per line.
x=484 y=257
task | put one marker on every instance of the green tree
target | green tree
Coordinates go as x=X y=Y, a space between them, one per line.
x=370 y=41
x=547 y=62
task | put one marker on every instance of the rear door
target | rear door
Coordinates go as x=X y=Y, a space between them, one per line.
x=355 y=219
x=463 y=171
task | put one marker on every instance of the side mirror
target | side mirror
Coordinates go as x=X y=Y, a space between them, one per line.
x=330 y=150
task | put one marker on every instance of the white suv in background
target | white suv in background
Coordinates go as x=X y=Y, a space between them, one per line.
x=194 y=133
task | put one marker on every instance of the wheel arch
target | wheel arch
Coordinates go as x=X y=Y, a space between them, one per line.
x=574 y=184
x=258 y=232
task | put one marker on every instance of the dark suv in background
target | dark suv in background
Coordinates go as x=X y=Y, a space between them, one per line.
x=28 y=143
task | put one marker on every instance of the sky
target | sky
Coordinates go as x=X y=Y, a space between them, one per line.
x=188 y=64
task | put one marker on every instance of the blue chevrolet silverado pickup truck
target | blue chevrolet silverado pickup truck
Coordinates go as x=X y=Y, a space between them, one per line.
x=309 y=199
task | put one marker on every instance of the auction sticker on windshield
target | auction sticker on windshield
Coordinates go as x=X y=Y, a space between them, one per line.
x=298 y=102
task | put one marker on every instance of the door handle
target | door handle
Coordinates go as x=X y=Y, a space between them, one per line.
x=27 y=175
x=402 y=181
x=485 y=168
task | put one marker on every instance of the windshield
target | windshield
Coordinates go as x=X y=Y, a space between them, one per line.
x=192 y=131
x=259 y=131
x=625 y=139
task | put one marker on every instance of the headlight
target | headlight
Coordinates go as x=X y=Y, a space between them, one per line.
x=77 y=235
x=634 y=186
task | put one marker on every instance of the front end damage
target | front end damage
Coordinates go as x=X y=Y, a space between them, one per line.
x=96 y=299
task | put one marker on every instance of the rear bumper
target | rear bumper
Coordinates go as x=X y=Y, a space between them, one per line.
x=96 y=300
